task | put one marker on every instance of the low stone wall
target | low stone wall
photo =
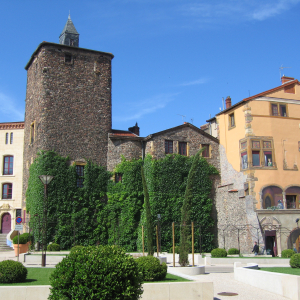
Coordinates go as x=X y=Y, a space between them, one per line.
x=282 y=284
x=152 y=291
x=32 y=259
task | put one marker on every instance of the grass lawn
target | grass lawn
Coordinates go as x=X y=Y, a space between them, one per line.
x=40 y=276
x=285 y=270
x=35 y=276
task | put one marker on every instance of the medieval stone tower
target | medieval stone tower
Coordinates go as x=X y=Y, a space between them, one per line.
x=68 y=101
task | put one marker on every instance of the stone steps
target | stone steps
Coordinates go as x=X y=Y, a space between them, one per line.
x=3 y=246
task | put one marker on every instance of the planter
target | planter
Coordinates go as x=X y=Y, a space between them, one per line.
x=189 y=270
x=23 y=248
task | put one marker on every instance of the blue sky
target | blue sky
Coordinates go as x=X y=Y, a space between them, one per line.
x=172 y=57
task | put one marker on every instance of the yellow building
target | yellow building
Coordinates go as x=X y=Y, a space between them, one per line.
x=11 y=175
x=259 y=154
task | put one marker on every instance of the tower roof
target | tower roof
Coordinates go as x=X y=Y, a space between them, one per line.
x=69 y=27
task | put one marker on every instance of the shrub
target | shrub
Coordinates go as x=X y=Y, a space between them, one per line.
x=295 y=260
x=233 y=251
x=12 y=271
x=287 y=253
x=176 y=249
x=53 y=247
x=22 y=239
x=75 y=248
x=96 y=272
x=218 y=252
x=151 y=268
x=27 y=236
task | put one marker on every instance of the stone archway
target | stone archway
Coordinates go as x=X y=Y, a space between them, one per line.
x=271 y=227
x=294 y=234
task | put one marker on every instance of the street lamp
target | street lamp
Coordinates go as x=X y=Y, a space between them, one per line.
x=45 y=179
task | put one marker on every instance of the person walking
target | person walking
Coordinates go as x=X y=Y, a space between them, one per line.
x=255 y=248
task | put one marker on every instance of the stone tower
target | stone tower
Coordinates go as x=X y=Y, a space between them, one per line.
x=68 y=101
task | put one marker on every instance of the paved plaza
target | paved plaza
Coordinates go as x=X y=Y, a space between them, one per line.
x=222 y=277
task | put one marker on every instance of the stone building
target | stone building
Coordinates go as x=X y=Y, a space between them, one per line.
x=11 y=169
x=185 y=139
x=68 y=101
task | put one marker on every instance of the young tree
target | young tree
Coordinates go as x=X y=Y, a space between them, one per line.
x=149 y=224
x=186 y=212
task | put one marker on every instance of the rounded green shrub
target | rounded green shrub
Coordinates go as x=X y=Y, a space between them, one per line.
x=151 y=268
x=176 y=249
x=96 y=273
x=287 y=253
x=218 y=252
x=75 y=248
x=53 y=247
x=12 y=271
x=295 y=260
x=22 y=240
x=27 y=236
x=233 y=251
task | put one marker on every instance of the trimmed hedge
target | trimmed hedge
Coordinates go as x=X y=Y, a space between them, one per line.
x=151 y=268
x=75 y=248
x=22 y=239
x=233 y=251
x=53 y=247
x=218 y=252
x=295 y=260
x=96 y=273
x=12 y=271
x=176 y=249
x=287 y=253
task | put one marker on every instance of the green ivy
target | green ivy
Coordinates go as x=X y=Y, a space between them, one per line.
x=73 y=213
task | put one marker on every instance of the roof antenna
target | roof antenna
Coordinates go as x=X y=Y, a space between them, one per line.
x=182 y=117
x=192 y=121
x=281 y=68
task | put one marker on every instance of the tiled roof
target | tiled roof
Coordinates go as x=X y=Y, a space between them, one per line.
x=116 y=132
x=12 y=125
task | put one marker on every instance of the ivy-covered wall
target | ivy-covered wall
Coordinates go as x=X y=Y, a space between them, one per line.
x=112 y=213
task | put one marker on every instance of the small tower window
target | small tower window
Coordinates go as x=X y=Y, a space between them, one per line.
x=32 y=137
x=68 y=58
x=6 y=138
x=11 y=137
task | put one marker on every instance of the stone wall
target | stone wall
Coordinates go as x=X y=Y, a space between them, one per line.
x=68 y=103
x=237 y=224
x=128 y=147
x=155 y=144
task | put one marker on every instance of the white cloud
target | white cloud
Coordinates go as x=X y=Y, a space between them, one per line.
x=195 y=82
x=272 y=9
x=9 y=110
x=146 y=106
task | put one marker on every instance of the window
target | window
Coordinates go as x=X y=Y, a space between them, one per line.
x=80 y=174
x=7 y=191
x=244 y=160
x=71 y=42
x=231 y=121
x=11 y=137
x=278 y=109
x=168 y=147
x=257 y=152
x=32 y=133
x=8 y=165
x=291 y=201
x=18 y=213
x=255 y=159
x=118 y=177
x=182 y=147
x=205 y=152
x=6 y=138
x=68 y=58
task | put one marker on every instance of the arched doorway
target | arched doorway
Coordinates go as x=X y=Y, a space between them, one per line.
x=6 y=223
x=293 y=239
x=271 y=196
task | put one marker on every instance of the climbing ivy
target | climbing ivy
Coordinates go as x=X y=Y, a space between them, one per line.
x=73 y=213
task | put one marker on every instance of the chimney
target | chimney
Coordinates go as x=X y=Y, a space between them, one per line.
x=135 y=129
x=228 y=102
x=285 y=79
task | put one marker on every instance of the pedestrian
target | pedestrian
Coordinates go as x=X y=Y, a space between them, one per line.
x=255 y=248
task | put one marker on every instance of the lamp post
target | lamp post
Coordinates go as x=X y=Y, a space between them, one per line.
x=159 y=233
x=45 y=179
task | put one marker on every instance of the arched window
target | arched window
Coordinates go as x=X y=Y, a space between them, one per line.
x=268 y=202
x=7 y=191
x=8 y=165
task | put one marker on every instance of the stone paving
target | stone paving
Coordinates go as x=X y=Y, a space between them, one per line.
x=223 y=278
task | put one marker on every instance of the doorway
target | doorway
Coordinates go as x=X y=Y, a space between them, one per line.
x=6 y=223
x=271 y=243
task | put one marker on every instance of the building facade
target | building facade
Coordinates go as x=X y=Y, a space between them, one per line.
x=259 y=194
x=11 y=169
